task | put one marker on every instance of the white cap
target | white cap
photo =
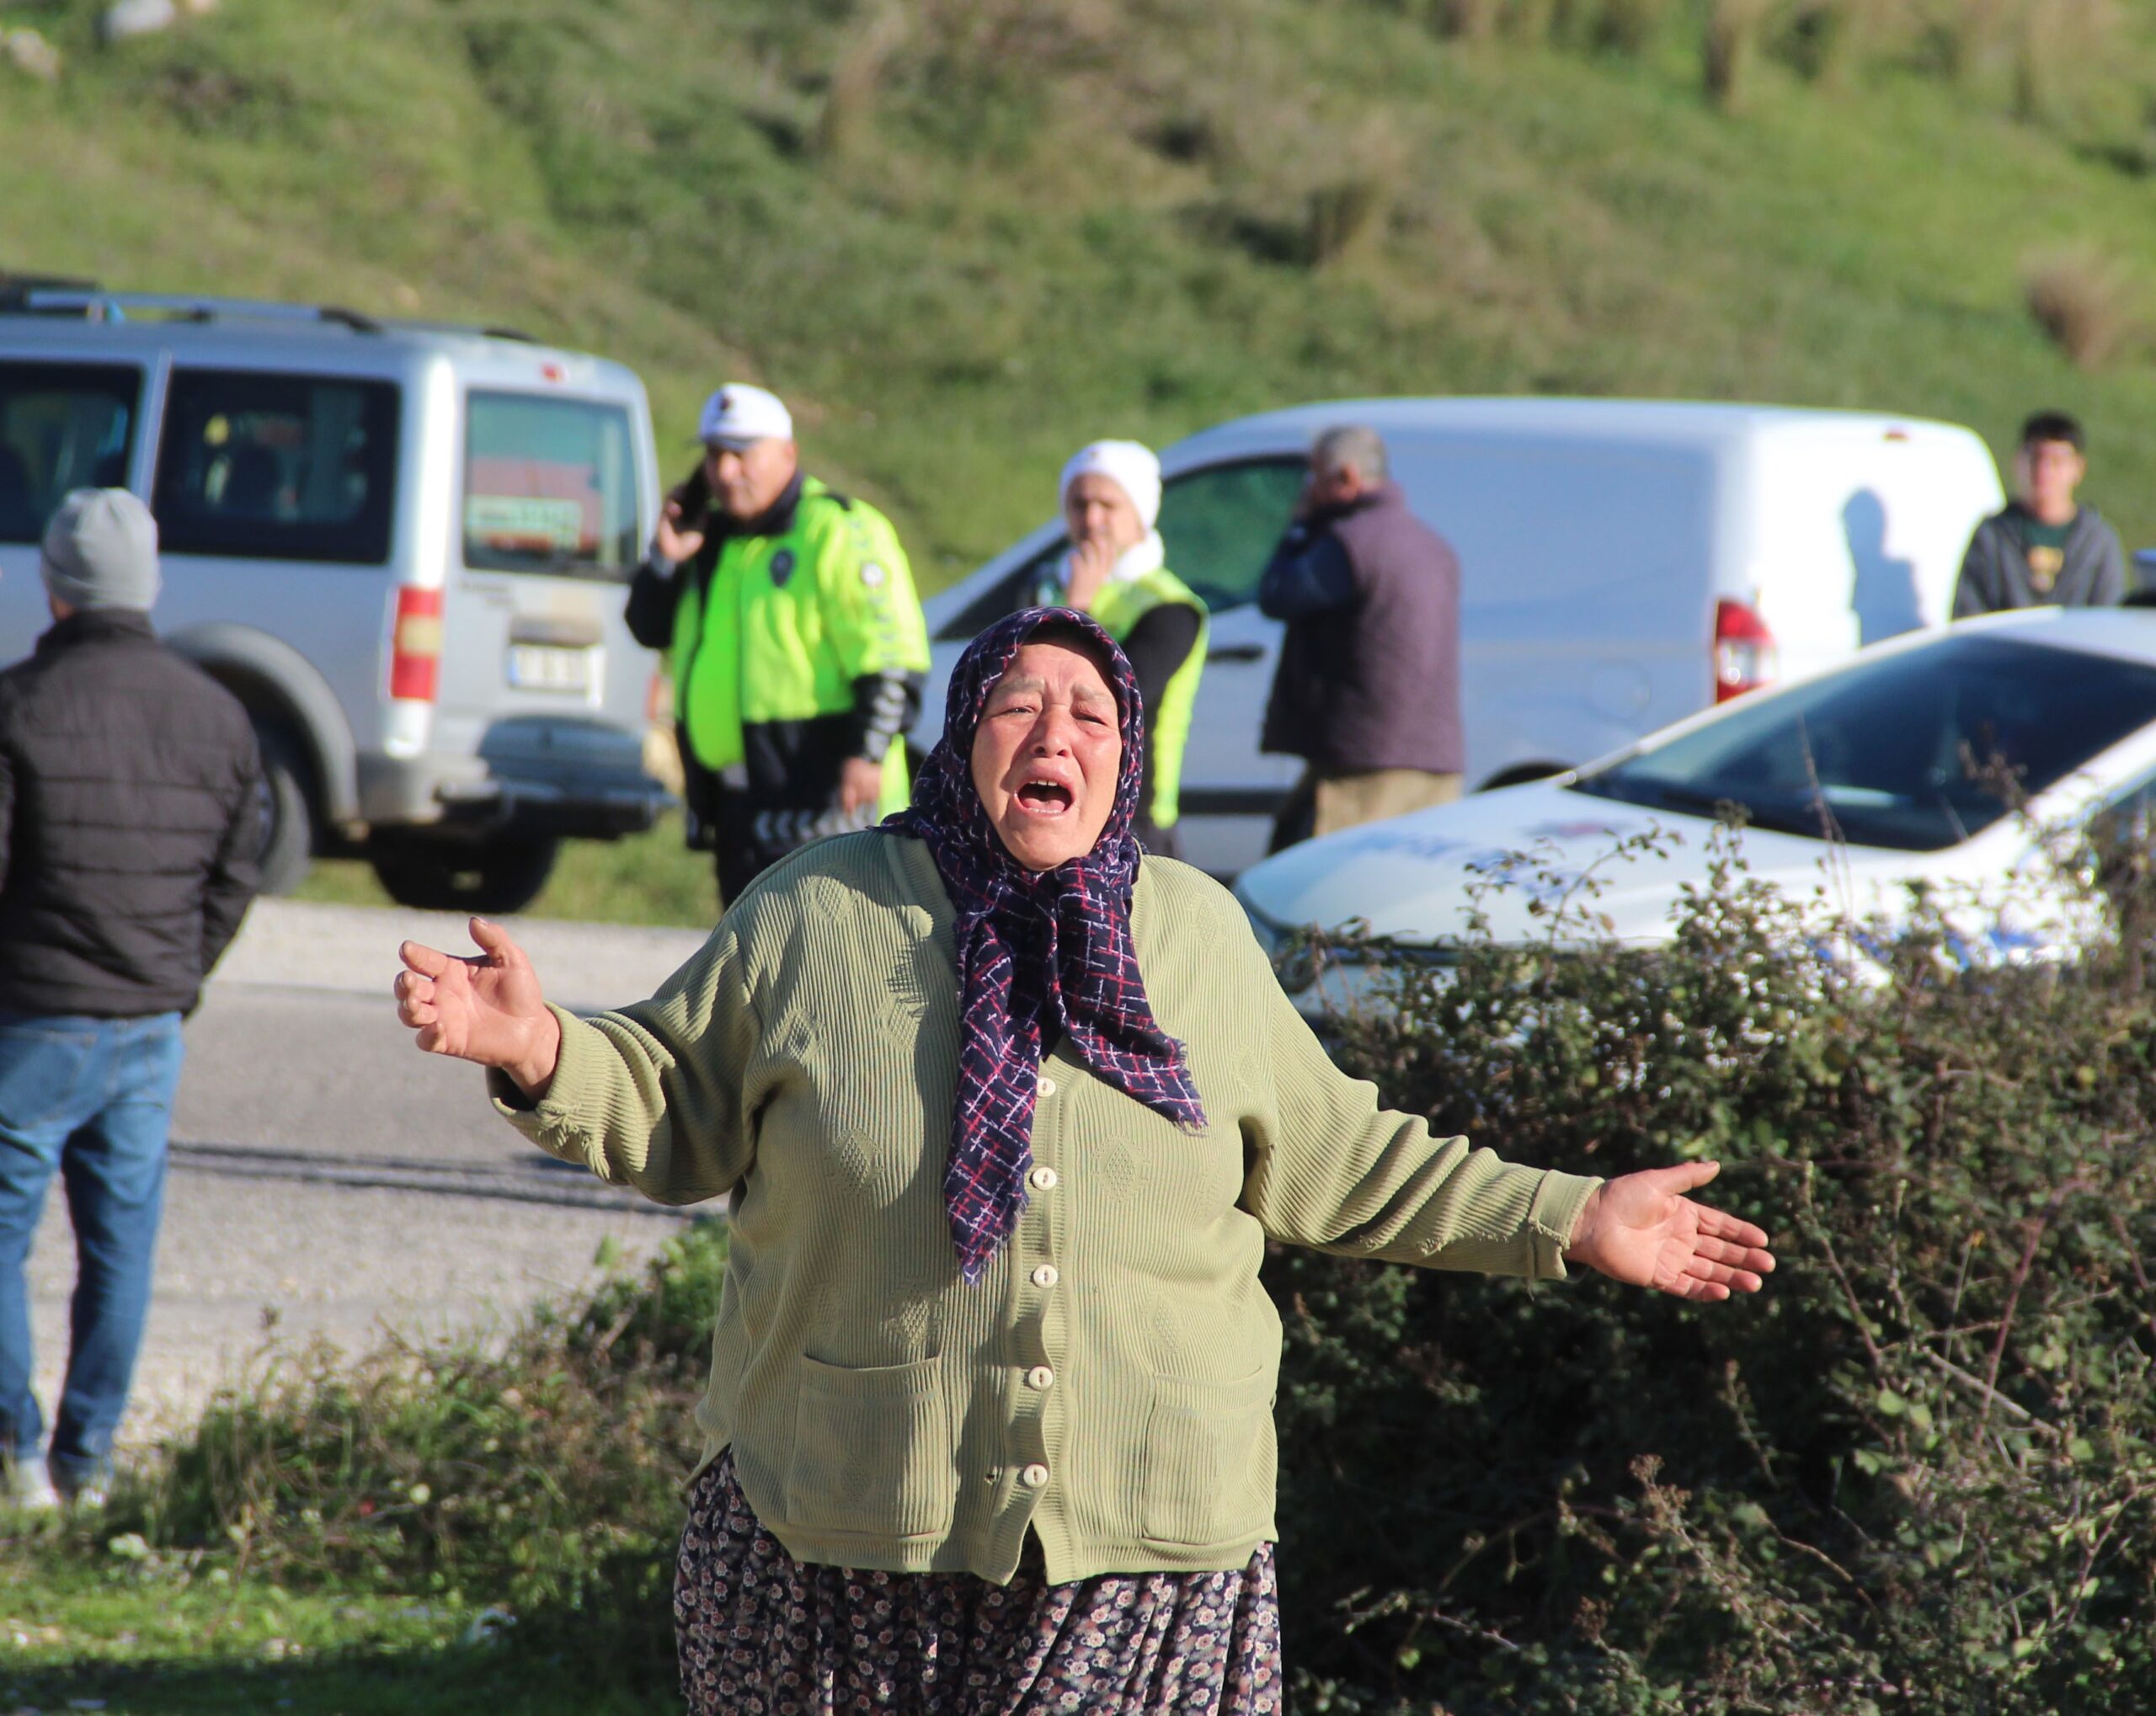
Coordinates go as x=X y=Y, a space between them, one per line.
x=1130 y=467
x=739 y=414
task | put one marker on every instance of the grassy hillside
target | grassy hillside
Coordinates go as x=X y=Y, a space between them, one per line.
x=965 y=235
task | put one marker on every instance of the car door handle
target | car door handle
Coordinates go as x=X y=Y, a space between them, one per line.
x=1237 y=651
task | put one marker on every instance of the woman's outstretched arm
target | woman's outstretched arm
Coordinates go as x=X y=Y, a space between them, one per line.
x=649 y=1096
x=1332 y=1168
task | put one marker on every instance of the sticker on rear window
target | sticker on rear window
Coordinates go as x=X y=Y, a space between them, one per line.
x=524 y=523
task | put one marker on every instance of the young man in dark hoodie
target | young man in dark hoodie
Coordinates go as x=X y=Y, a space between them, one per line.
x=2044 y=548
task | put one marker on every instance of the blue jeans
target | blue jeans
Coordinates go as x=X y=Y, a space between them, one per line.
x=92 y=1100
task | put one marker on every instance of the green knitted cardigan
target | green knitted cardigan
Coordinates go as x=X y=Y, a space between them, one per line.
x=1108 y=1384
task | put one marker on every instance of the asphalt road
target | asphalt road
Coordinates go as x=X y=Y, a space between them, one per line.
x=328 y=1181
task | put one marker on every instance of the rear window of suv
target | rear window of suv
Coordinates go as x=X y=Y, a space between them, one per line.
x=62 y=426
x=550 y=486
x=266 y=466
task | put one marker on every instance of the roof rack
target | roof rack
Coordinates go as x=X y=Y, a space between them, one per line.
x=492 y=330
x=94 y=304
x=16 y=288
x=48 y=295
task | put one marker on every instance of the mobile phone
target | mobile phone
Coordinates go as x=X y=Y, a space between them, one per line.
x=693 y=491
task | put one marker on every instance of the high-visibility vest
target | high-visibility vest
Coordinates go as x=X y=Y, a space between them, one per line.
x=1120 y=604
x=788 y=622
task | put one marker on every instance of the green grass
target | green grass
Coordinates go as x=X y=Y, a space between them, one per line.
x=437 y=1525
x=147 y=1634
x=649 y=878
x=1066 y=218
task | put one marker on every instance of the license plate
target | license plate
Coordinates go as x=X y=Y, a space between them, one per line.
x=546 y=667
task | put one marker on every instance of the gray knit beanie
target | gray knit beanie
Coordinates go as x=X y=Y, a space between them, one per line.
x=101 y=551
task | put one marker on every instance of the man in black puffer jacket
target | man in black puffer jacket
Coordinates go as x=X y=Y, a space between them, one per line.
x=128 y=828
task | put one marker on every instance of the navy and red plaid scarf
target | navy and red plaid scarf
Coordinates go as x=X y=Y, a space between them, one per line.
x=1036 y=951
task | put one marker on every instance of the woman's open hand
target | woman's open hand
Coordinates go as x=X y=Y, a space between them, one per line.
x=1642 y=1228
x=487 y=1009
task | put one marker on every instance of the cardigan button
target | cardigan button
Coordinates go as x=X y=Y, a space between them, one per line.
x=1042 y=1179
x=1046 y=1276
x=1033 y=1477
x=1040 y=1377
x=1048 y=1086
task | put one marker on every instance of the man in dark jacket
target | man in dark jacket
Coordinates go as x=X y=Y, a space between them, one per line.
x=129 y=827
x=2045 y=548
x=1367 y=689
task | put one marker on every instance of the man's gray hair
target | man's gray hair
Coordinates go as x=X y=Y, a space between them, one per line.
x=1351 y=443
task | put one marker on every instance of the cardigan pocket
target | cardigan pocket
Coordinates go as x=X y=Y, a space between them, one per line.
x=1209 y=1460
x=873 y=1454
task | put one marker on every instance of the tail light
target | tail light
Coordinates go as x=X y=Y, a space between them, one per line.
x=415 y=646
x=1744 y=650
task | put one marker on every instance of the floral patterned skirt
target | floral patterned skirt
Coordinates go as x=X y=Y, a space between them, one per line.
x=762 y=1634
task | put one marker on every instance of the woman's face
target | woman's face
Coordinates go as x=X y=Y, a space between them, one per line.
x=1096 y=509
x=1047 y=754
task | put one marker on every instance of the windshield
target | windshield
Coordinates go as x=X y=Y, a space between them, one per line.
x=1914 y=751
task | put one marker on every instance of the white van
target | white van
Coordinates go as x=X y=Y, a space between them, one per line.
x=1623 y=564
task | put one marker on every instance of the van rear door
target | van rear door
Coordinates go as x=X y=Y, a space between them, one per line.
x=1857 y=527
x=538 y=674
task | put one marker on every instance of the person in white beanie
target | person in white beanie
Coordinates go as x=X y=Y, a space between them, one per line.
x=129 y=831
x=1117 y=572
x=796 y=646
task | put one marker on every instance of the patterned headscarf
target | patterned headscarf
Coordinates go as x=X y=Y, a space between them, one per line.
x=1036 y=950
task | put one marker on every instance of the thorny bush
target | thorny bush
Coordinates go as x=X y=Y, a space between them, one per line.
x=1913 y=1475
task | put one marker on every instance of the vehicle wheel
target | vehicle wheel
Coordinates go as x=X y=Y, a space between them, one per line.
x=501 y=875
x=287 y=848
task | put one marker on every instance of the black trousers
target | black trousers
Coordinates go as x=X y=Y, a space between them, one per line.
x=749 y=833
x=738 y=862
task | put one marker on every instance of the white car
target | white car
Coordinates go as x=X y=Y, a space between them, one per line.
x=1855 y=783
x=1623 y=564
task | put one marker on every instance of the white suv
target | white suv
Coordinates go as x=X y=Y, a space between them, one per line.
x=403 y=546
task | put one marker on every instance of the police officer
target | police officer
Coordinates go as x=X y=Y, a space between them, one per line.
x=1117 y=571
x=795 y=642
